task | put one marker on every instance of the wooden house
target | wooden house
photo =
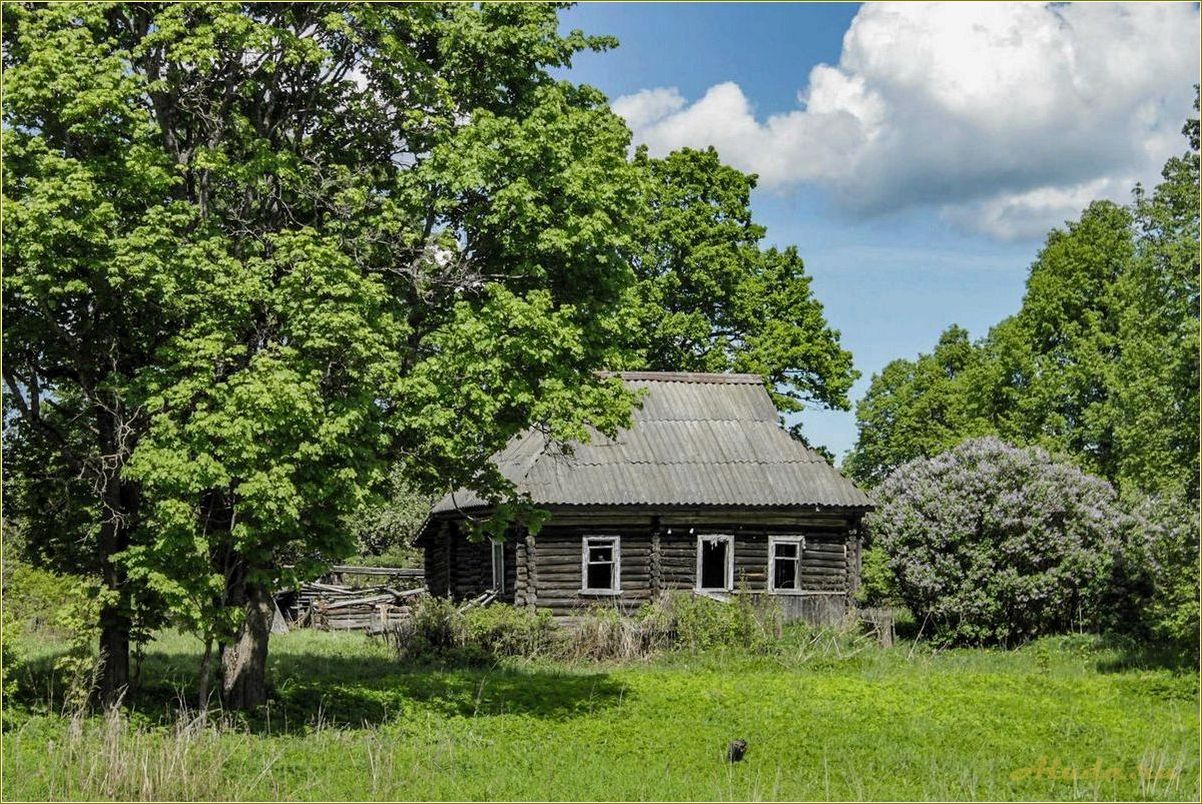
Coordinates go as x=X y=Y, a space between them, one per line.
x=706 y=492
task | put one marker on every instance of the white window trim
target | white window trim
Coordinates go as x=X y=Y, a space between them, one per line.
x=498 y=567
x=616 y=580
x=729 y=585
x=773 y=541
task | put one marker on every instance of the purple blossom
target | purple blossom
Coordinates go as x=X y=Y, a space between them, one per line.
x=993 y=544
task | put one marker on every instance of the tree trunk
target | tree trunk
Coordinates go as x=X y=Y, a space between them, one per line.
x=244 y=661
x=205 y=677
x=114 y=654
x=115 y=620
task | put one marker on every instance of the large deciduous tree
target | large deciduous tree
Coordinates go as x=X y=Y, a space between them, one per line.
x=1155 y=378
x=709 y=297
x=252 y=251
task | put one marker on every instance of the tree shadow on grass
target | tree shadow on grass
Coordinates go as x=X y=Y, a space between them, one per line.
x=350 y=691
x=1127 y=655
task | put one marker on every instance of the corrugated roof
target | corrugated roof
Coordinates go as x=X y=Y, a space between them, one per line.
x=698 y=439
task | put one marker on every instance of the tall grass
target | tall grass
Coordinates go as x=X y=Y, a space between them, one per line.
x=827 y=715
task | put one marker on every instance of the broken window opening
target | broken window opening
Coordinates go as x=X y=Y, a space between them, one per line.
x=785 y=563
x=715 y=563
x=601 y=564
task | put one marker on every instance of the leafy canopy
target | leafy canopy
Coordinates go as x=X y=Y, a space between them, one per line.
x=709 y=298
x=1100 y=363
x=272 y=248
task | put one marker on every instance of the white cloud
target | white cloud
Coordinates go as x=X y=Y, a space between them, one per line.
x=649 y=106
x=1008 y=117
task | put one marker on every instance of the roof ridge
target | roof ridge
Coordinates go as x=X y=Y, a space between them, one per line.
x=693 y=462
x=687 y=376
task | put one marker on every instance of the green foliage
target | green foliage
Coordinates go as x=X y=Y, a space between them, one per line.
x=384 y=527
x=674 y=621
x=917 y=409
x=709 y=298
x=510 y=631
x=1156 y=375
x=699 y=623
x=1100 y=363
x=255 y=253
x=1048 y=379
x=10 y=651
x=32 y=596
x=435 y=629
x=79 y=664
x=1155 y=591
x=439 y=631
x=878 y=586
x=35 y=603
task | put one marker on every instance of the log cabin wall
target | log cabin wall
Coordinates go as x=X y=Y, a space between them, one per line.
x=436 y=551
x=460 y=568
x=560 y=574
x=658 y=553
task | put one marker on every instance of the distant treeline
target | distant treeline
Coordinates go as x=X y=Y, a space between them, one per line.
x=1100 y=363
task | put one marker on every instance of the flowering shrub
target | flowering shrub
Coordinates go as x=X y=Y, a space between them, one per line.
x=992 y=544
x=1154 y=592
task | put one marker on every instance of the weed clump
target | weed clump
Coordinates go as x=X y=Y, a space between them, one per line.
x=438 y=630
x=674 y=621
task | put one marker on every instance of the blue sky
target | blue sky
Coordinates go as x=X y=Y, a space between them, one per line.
x=918 y=160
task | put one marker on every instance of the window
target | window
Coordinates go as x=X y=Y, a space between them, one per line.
x=601 y=565
x=715 y=563
x=784 y=563
x=498 y=565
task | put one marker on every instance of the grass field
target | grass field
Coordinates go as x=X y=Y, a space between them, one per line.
x=823 y=720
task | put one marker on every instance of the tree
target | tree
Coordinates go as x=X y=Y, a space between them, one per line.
x=1155 y=379
x=1048 y=371
x=1100 y=362
x=90 y=221
x=992 y=544
x=709 y=298
x=385 y=525
x=917 y=409
x=270 y=248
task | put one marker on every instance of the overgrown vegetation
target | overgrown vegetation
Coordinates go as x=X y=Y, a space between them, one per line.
x=826 y=715
x=440 y=631
x=990 y=544
x=1101 y=366
x=255 y=255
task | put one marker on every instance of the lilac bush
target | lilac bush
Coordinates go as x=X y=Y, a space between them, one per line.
x=993 y=544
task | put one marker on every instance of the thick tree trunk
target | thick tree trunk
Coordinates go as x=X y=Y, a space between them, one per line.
x=244 y=661
x=120 y=502
x=114 y=654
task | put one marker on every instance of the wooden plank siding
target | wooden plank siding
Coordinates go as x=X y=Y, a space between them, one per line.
x=658 y=553
x=460 y=568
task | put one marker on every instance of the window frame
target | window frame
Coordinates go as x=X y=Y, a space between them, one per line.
x=729 y=575
x=615 y=542
x=497 y=561
x=773 y=541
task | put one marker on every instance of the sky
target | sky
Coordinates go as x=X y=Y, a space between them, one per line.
x=917 y=154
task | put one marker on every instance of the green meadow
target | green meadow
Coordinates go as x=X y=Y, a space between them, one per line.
x=825 y=717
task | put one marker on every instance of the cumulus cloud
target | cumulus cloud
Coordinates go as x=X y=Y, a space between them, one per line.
x=1008 y=117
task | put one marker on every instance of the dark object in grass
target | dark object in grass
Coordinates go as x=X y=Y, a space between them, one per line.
x=735 y=752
